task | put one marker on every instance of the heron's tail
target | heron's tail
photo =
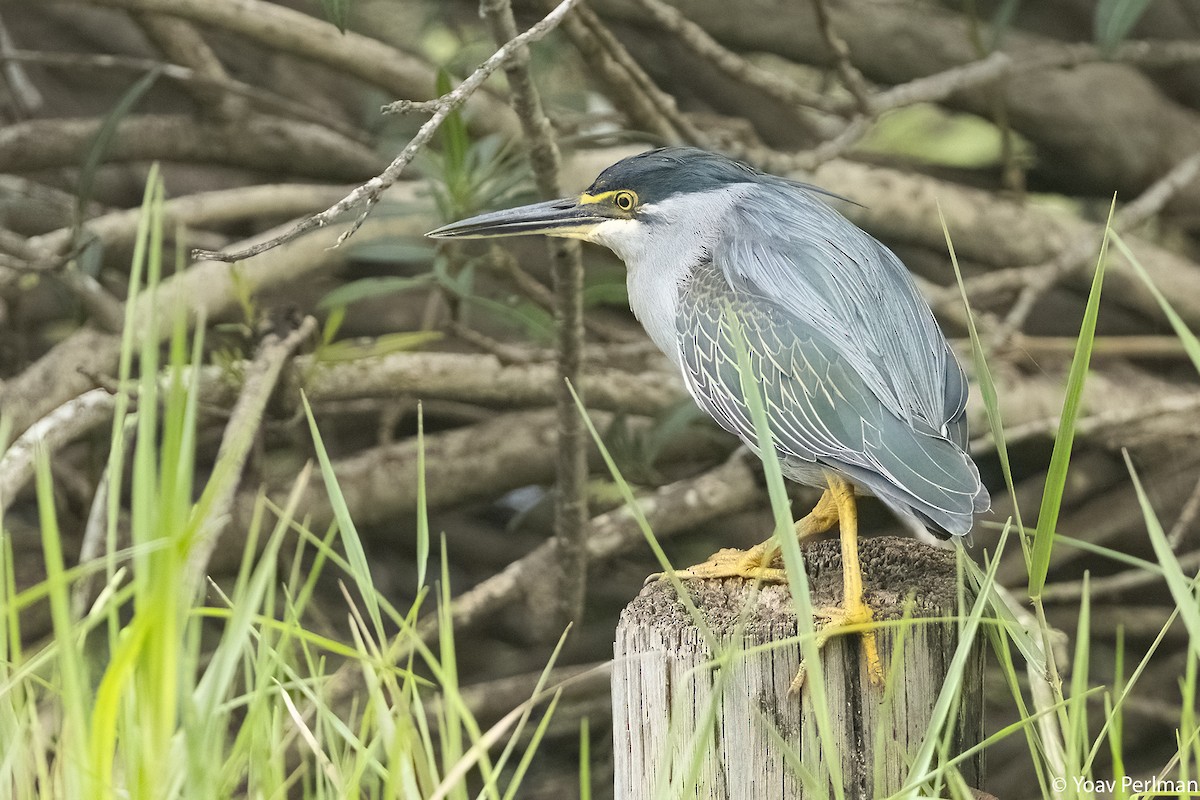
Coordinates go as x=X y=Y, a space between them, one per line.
x=923 y=477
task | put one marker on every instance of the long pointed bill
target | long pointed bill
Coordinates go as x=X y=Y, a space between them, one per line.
x=566 y=217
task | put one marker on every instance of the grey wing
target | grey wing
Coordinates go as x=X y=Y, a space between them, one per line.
x=787 y=245
x=822 y=414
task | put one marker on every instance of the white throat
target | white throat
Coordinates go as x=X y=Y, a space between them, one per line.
x=660 y=255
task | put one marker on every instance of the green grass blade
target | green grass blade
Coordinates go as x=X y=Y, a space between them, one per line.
x=71 y=666
x=585 y=760
x=639 y=516
x=943 y=706
x=355 y=554
x=1191 y=344
x=1060 y=459
x=1181 y=587
x=527 y=756
x=104 y=139
x=792 y=556
x=1077 y=716
x=987 y=384
x=422 y=505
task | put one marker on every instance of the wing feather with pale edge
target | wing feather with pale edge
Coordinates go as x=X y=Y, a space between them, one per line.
x=882 y=402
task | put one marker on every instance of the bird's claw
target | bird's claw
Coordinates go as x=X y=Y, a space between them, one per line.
x=729 y=563
x=835 y=619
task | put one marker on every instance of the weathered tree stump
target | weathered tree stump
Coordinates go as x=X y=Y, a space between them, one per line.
x=667 y=712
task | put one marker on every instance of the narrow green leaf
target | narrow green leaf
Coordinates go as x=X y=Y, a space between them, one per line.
x=1191 y=344
x=1077 y=734
x=1060 y=459
x=585 y=760
x=987 y=385
x=923 y=759
x=793 y=558
x=357 y=556
x=104 y=138
x=355 y=350
x=337 y=12
x=370 y=288
x=422 y=510
x=1183 y=589
x=1114 y=20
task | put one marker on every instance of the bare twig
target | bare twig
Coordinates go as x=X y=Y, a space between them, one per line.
x=23 y=90
x=698 y=40
x=999 y=64
x=258 y=142
x=181 y=43
x=646 y=105
x=368 y=194
x=994 y=67
x=671 y=509
x=63 y=424
x=1187 y=515
x=1041 y=277
x=200 y=210
x=1071 y=591
x=570 y=502
x=399 y=73
x=1136 y=346
x=447 y=377
x=854 y=81
x=1182 y=406
x=54 y=378
x=202 y=83
x=259 y=383
x=92 y=546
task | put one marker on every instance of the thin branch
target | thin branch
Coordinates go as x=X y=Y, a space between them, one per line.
x=263 y=100
x=1124 y=581
x=570 y=499
x=997 y=65
x=1041 y=277
x=194 y=211
x=64 y=424
x=259 y=384
x=1182 y=407
x=698 y=40
x=1127 y=347
x=853 y=80
x=644 y=103
x=259 y=142
x=933 y=88
x=671 y=509
x=23 y=91
x=181 y=43
x=368 y=194
x=504 y=263
x=448 y=377
x=288 y=30
x=1187 y=515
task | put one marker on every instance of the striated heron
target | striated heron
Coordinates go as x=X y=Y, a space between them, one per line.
x=862 y=392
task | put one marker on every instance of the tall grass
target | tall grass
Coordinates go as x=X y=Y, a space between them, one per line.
x=158 y=688
x=162 y=689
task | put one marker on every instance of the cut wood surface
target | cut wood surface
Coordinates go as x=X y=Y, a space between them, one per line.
x=671 y=704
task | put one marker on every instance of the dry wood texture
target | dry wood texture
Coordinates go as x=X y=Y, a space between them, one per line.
x=670 y=703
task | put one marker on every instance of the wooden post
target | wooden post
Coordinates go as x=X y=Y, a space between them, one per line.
x=671 y=710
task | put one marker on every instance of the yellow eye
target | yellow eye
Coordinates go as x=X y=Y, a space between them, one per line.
x=625 y=200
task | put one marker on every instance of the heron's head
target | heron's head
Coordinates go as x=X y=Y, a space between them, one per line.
x=672 y=191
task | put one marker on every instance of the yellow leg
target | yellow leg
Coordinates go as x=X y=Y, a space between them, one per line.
x=756 y=563
x=836 y=506
x=854 y=610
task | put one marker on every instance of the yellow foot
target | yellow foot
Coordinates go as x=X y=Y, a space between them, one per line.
x=833 y=621
x=753 y=564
